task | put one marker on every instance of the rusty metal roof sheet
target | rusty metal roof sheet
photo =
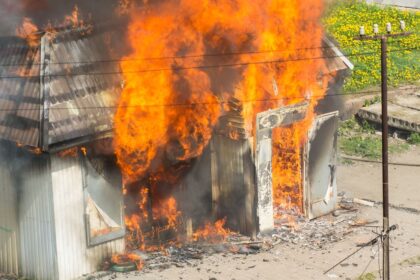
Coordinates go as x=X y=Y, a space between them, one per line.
x=81 y=101
x=335 y=59
x=81 y=87
x=19 y=91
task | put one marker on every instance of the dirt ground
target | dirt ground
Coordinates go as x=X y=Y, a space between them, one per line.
x=288 y=261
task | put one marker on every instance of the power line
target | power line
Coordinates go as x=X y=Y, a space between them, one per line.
x=199 y=66
x=165 y=57
x=202 y=103
x=367 y=266
x=380 y=162
x=114 y=60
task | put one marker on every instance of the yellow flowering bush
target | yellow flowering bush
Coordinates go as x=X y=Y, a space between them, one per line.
x=343 y=21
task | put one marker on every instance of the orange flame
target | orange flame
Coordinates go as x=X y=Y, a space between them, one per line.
x=212 y=233
x=74 y=18
x=169 y=210
x=72 y=152
x=120 y=259
x=27 y=30
x=174 y=82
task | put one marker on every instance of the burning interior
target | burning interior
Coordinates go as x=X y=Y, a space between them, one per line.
x=209 y=125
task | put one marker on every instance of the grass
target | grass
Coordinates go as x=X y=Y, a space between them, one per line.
x=411 y=261
x=414 y=139
x=343 y=20
x=359 y=139
x=368 y=102
x=351 y=127
x=367 y=276
x=368 y=147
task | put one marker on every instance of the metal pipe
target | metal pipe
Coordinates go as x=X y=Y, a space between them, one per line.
x=385 y=190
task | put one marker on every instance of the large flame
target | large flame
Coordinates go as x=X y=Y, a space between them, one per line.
x=188 y=58
x=28 y=30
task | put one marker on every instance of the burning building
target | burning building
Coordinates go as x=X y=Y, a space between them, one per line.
x=208 y=126
x=62 y=207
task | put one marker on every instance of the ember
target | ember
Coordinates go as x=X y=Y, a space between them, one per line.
x=212 y=233
x=126 y=259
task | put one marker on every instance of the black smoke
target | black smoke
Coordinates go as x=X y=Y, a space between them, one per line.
x=43 y=12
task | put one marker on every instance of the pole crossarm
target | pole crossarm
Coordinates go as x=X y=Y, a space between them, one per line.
x=380 y=36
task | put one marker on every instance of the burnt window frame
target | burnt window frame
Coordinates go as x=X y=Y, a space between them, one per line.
x=92 y=241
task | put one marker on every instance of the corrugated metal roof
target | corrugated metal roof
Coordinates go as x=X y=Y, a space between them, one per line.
x=81 y=101
x=79 y=105
x=19 y=94
x=336 y=60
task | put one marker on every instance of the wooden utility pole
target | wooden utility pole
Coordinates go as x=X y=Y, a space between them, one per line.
x=384 y=94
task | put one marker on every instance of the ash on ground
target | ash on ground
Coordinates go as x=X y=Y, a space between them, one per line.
x=7 y=277
x=292 y=229
x=321 y=232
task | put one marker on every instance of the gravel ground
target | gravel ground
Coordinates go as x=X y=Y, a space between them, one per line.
x=287 y=260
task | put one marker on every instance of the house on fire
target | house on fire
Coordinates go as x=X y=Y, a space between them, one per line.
x=61 y=213
x=61 y=207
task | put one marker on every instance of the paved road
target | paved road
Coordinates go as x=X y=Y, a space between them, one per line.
x=413 y=4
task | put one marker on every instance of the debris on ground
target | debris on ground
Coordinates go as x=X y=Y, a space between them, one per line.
x=8 y=277
x=290 y=228
x=363 y=202
x=318 y=233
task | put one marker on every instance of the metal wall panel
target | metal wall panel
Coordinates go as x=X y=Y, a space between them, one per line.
x=36 y=220
x=8 y=222
x=233 y=183
x=320 y=183
x=74 y=258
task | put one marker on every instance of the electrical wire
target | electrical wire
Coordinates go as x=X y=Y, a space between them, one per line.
x=171 y=57
x=199 y=66
x=203 y=103
x=368 y=264
x=167 y=57
x=380 y=162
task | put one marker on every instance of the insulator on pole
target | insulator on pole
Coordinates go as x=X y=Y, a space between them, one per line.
x=375 y=28
x=362 y=31
x=388 y=27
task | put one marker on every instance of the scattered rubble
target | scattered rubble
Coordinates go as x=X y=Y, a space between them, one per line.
x=189 y=254
x=319 y=233
x=290 y=229
x=363 y=202
x=315 y=234
x=7 y=277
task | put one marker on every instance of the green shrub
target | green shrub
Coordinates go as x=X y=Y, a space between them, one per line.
x=414 y=138
x=368 y=146
x=367 y=276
